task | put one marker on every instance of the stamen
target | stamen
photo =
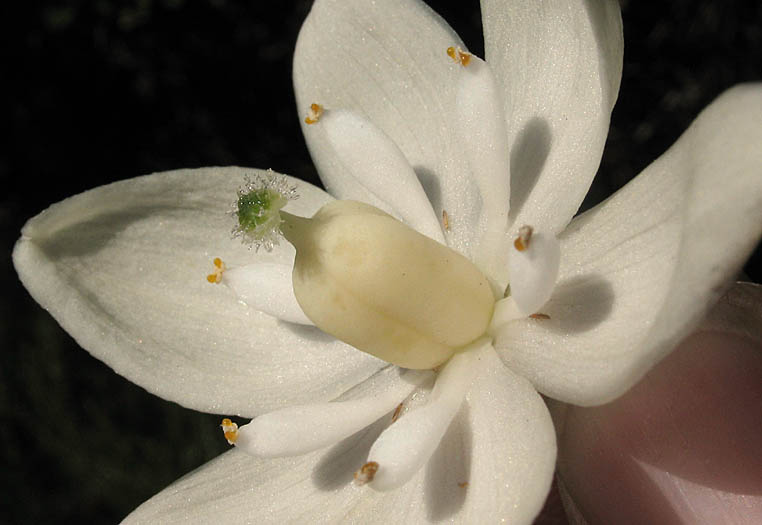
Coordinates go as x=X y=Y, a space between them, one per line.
x=505 y=311
x=230 y=430
x=380 y=167
x=397 y=412
x=445 y=220
x=522 y=241
x=481 y=124
x=463 y=484
x=297 y=430
x=267 y=287
x=533 y=268
x=219 y=268
x=314 y=113
x=366 y=473
x=459 y=56
x=539 y=316
x=404 y=447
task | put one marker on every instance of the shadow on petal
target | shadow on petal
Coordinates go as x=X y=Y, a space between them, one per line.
x=579 y=304
x=431 y=186
x=449 y=469
x=337 y=467
x=311 y=333
x=94 y=233
x=528 y=155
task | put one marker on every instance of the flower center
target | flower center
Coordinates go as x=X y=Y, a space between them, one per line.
x=403 y=296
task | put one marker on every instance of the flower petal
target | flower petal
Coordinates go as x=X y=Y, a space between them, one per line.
x=387 y=62
x=122 y=268
x=506 y=474
x=639 y=271
x=558 y=64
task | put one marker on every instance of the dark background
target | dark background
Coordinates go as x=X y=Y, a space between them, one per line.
x=100 y=91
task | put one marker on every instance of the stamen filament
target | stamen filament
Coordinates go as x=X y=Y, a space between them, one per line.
x=533 y=267
x=267 y=287
x=484 y=141
x=380 y=167
x=297 y=430
x=404 y=447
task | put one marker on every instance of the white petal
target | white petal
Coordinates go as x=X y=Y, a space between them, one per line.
x=379 y=166
x=484 y=140
x=299 y=429
x=513 y=446
x=558 y=64
x=267 y=287
x=502 y=444
x=639 y=271
x=123 y=269
x=387 y=61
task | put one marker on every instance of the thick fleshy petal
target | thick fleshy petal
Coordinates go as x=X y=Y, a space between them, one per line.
x=496 y=461
x=123 y=269
x=640 y=270
x=387 y=61
x=558 y=64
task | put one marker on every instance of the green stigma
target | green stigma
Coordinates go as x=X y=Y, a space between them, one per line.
x=258 y=209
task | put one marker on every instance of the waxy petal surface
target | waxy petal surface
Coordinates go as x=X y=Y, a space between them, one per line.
x=123 y=269
x=387 y=62
x=496 y=461
x=558 y=64
x=639 y=271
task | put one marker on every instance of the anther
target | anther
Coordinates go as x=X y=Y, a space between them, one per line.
x=366 y=473
x=522 y=241
x=230 y=430
x=445 y=220
x=397 y=412
x=539 y=316
x=459 y=56
x=463 y=484
x=313 y=115
x=219 y=268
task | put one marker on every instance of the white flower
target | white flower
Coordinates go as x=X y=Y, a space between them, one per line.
x=122 y=267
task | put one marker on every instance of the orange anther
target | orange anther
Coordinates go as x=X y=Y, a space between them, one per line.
x=522 y=241
x=459 y=56
x=366 y=473
x=316 y=110
x=219 y=268
x=230 y=430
